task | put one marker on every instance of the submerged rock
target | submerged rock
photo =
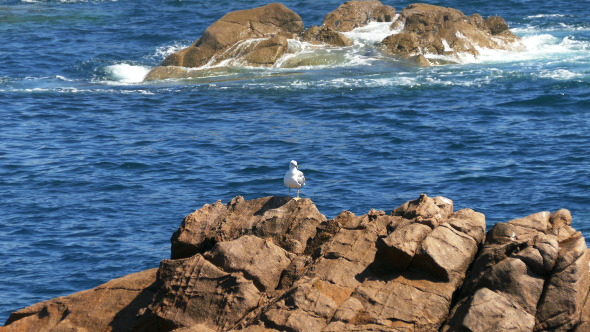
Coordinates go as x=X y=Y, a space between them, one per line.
x=435 y=30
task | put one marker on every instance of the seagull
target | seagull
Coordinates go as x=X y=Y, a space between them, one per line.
x=294 y=178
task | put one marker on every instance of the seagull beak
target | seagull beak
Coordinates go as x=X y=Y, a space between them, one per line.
x=297 y=166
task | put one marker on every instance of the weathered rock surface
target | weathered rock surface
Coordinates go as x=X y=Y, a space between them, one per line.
x=531 y=274
x=429 y=29
x=255 y=37
x=325 y=35
x=277 y=264
x=348 y=16
x=355 y=14
x=111 y=306
x=289 y=223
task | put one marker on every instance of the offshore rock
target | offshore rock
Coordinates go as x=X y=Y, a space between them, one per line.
x=429 y=29
x=531 y=274
x=255 y=37
x=111 y=306
x=355 y=14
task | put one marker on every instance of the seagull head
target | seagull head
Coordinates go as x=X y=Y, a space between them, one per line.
x=293 y=164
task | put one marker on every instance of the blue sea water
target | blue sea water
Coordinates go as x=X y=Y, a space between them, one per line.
x=97 y=168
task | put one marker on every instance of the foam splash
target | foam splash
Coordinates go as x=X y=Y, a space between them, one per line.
x=373 y=33
x=126 y=73
x=163 y=51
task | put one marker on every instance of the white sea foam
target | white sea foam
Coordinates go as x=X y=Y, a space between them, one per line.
x=545 y=15
x=559 y=74
x=126 y=73
x=371 y=34
x=163 y=51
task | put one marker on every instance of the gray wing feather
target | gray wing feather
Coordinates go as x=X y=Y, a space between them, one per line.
x=301 y=178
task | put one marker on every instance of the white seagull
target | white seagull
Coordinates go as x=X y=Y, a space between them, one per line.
x=294 y=178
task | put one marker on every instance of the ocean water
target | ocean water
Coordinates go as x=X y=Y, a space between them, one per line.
x=97 y=168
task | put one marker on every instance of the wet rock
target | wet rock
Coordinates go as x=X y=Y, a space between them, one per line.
x=288 y=222
x=256 y=37
x=531 y=273
x=428 y=29
x=496 y=25
x=111 y=306
x=354 y=14
x=325 y=35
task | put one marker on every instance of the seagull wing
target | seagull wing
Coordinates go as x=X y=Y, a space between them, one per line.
x=300 y=178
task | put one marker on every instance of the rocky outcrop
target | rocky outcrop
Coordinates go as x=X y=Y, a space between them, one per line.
x=260 y=37
x=112 y=306
x=277 y=264
x=429 y=29
x=531 y=274
x=356 y=279
x=252 y=37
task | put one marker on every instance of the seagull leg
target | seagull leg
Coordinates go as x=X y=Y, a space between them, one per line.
x=289 y=191
x=297 y=193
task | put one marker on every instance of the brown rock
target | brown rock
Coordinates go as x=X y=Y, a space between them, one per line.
x=354 y=14
x=426 y=210
x=421 y=61
x=566 y=289
x=560 y=218
x=429 y=29
x=193 y=291
x=490 y=311
x=289 y=223
x=405 y=42
x=528 y=275
x=325 y=35
x=496 y=25
x=276 y=264
x=259 y=260
x=400 y=246
x=446 y=254
x=256 y=36
x=111 y=306
x=538 y=221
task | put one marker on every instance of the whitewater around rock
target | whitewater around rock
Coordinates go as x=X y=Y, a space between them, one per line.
x=272 y=35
